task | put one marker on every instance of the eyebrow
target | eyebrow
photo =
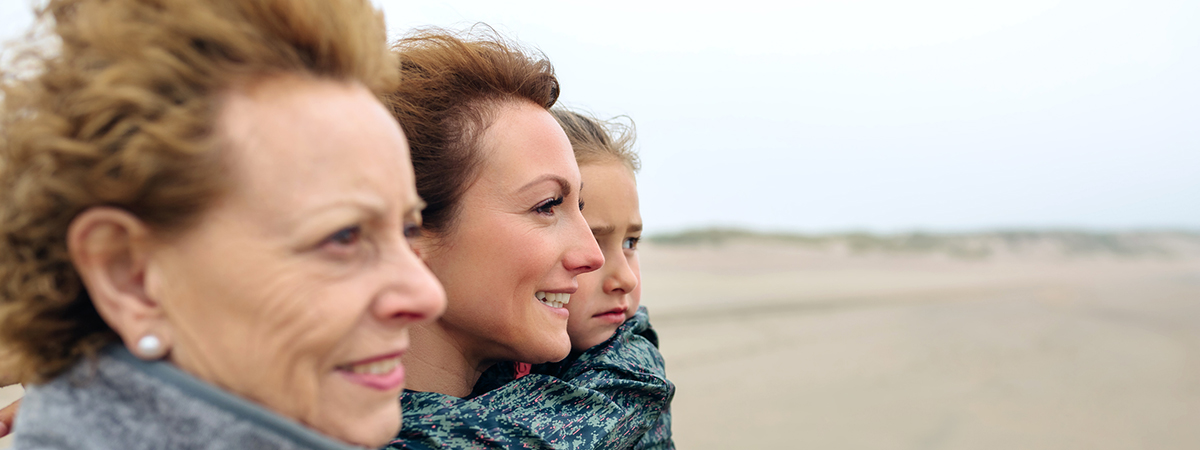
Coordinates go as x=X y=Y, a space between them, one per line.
x=416 y=208
x=608 y=229
x=600 y=231
x=562 y=183
x=364 y=207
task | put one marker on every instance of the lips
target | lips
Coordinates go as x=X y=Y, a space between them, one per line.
x=615 y=315
x=384 y=373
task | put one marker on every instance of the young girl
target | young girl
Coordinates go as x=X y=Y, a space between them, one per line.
x=606 y=320
x=612 y=391
x=610 y=295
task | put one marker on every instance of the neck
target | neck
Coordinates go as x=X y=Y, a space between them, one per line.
x=436 y=362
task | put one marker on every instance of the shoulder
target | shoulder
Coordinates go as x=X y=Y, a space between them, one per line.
x=535 y=411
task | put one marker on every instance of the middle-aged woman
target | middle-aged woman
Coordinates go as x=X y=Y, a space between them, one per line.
x=504 y=233
x=205 y=216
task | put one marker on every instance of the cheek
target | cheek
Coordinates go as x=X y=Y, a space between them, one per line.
x=635 y=300
x=485 y=273
x=311 y=318
x=299 y=331
x=252 y=323
x=579 y=307
x=635 y=297
x=591 y=284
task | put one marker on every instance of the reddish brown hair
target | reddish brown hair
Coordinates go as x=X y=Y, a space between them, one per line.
x=450 y=88
x=122 y=114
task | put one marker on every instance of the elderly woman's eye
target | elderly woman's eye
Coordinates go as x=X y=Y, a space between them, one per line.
x=412 y=231
x=345 y=236
x=630 y=243
x=547 y=207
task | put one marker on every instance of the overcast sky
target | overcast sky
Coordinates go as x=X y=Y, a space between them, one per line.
x=875 y=114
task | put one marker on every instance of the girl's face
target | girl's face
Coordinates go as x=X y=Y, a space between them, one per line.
x=517 y=245
x=610 y=295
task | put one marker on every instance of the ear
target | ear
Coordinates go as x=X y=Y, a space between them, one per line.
x=110 y=248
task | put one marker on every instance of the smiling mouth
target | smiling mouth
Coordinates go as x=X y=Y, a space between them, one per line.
x=386 y=374
x=553 y=299
x=378 y=367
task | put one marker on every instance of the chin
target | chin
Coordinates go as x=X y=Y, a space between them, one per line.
x=554 y=351
x=589 y=341
x=369 y=432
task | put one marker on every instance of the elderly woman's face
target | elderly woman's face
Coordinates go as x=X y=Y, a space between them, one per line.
x=296 y=288
x=517 y=244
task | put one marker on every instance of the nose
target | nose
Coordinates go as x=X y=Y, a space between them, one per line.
x=620 y=279
x=412 y=294
x=583 y=253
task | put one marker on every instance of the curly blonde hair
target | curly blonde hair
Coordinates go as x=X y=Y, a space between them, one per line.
x=122 y=114
x=595 y=140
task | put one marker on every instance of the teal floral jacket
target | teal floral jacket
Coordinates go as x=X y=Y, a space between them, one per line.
x=613 y=396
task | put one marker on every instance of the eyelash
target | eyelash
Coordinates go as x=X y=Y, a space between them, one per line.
x=547 y=207
x=632 y=243
x=344 y=237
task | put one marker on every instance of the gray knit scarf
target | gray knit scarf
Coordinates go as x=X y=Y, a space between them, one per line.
x=118 y=401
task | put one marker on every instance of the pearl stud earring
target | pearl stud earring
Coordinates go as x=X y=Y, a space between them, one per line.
x=150 y=347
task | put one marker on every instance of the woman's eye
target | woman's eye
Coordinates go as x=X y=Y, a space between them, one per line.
x=547 y=206
x=412 y=231
x=580 y=205
x=630 y=243
x=345 y=237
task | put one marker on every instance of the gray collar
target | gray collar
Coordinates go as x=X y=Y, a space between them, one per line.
x=120 y=401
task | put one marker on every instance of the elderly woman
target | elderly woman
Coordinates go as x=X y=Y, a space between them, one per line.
x=505 y=234
x=205 y=225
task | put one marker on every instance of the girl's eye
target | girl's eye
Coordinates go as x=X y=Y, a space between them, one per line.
x=630 y=243
x=547 y=206
x=581 y=205
x=345 y=237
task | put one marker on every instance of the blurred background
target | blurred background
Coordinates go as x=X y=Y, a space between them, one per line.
x=900 y=225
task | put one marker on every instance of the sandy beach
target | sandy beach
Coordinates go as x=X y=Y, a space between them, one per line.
x=774 y=345
x=778 y=346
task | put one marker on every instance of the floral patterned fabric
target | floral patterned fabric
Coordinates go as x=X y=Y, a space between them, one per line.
x=613 y=396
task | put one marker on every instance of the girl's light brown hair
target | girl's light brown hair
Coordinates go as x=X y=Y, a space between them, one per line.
x=451 y=87
x=122 y=114
x=598 y=141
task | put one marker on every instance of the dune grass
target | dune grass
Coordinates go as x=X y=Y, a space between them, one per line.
x=969 y=245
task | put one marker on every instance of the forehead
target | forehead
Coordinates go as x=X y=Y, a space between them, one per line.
x=295 y=143
x=524 y=141
x=610 y=190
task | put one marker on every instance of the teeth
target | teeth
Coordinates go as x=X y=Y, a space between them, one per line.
x=554 y=299
x=376 y=368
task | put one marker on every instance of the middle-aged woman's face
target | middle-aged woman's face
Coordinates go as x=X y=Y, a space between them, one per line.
x=296 y=288
x=510 y=259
